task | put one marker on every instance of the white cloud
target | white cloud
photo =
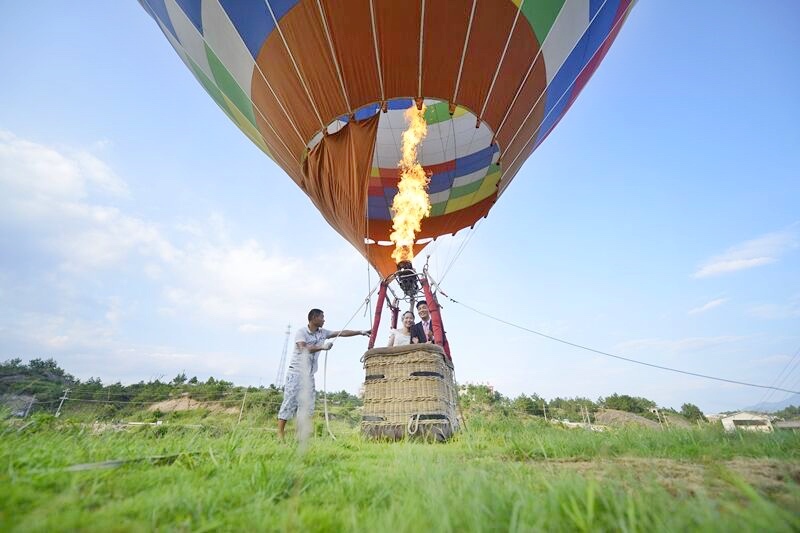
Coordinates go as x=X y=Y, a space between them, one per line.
x=47 y=192
x=62 y=332
x=207 y=274
x=243 y=283
x=251 y=328
x=37 y=172
x=750 y=254
x=708 y=306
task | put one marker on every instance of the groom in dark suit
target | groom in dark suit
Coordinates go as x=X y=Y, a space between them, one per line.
x=422 y=331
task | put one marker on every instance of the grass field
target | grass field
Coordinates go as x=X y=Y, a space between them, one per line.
x=501 y=474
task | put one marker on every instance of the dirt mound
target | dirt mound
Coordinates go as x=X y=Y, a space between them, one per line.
x=676 y=421
x=612 y=417
x=188 y=404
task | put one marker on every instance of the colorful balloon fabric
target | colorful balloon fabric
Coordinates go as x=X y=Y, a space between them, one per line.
x=320 y=86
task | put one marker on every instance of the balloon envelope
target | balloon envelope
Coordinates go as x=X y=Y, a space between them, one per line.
x=320 y=86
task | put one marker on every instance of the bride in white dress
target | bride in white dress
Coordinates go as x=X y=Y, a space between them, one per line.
x=402 y=335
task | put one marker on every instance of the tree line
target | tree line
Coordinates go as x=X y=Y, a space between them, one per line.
x=45 y=381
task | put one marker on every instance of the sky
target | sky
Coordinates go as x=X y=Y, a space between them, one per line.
x=143 y=235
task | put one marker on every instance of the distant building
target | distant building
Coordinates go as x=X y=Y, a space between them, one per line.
x=747 y=421
x=793 y=425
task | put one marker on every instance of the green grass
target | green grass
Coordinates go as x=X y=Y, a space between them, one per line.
x=511 y=474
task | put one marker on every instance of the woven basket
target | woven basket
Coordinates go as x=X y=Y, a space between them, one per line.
x=409 y=391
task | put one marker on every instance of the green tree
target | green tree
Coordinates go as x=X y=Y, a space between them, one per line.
x=531 y=405
x=691 y=412
x=630 y=404
x=791 y=412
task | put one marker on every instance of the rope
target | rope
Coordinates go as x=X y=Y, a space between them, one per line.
x=413 y=422
x=600 y=352
x=366 y=301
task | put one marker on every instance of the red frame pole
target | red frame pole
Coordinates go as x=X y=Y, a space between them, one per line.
x=395 y=312
x=436 y=317
x=378 y=310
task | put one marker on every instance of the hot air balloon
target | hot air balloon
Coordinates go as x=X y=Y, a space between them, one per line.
x=323 y=86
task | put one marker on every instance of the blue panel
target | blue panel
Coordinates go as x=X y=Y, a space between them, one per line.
x=601 y=27
x=378 y=212
x=192 y=10
x=441 y=181
x=281 y=7
x=595 y=5
x=253 y=21
x=476 y=161
x=399 y=103
x=560 y=90
x=367 y=111
x=146 y=7
x=468 y=164
x=158 y=9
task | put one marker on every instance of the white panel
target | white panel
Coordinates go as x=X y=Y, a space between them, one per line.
x=226 y=43
x=568 y=28
x=190 y=38
x=439 y=197
x=315 y=140
x=469 y=178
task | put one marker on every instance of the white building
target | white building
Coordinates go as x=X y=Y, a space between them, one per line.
x=747 y=421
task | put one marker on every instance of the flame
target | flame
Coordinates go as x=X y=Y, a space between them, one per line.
x=411 y=203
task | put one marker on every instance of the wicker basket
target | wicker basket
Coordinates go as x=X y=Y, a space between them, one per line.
x=409 y=391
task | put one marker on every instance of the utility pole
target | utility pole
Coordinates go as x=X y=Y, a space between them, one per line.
x=279 y=379
x=58 y=411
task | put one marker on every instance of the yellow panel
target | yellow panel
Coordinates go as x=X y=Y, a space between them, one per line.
x=461 y=111
x=246 y=126
x=488 y=187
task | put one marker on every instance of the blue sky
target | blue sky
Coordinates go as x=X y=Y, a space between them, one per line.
x=141 y=234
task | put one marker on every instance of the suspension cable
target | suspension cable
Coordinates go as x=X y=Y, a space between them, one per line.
x=628 y=359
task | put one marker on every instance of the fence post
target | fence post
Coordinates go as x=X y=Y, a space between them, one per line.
x=58 y=411
x=241 y=410
x=28 y=409
x=544 y=408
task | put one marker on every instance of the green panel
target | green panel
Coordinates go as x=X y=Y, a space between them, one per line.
x=210 y=87
x=458 y=192
x=541 y=14
x=437 y=113
x=438 y=209
x=228 y=85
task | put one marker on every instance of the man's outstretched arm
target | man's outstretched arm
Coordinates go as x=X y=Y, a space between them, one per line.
x=349 y=333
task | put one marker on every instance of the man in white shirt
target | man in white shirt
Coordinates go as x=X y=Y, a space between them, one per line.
x=299 y=393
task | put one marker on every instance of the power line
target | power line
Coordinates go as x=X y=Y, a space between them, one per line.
x=600 y=352
x=781 y=377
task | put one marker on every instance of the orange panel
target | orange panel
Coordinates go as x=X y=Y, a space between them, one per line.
x=305 y=36
x=445 y=29
x=398 y=39
x=490 y=27
x=350 y=25
x=274 y=62
x=521 y=50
